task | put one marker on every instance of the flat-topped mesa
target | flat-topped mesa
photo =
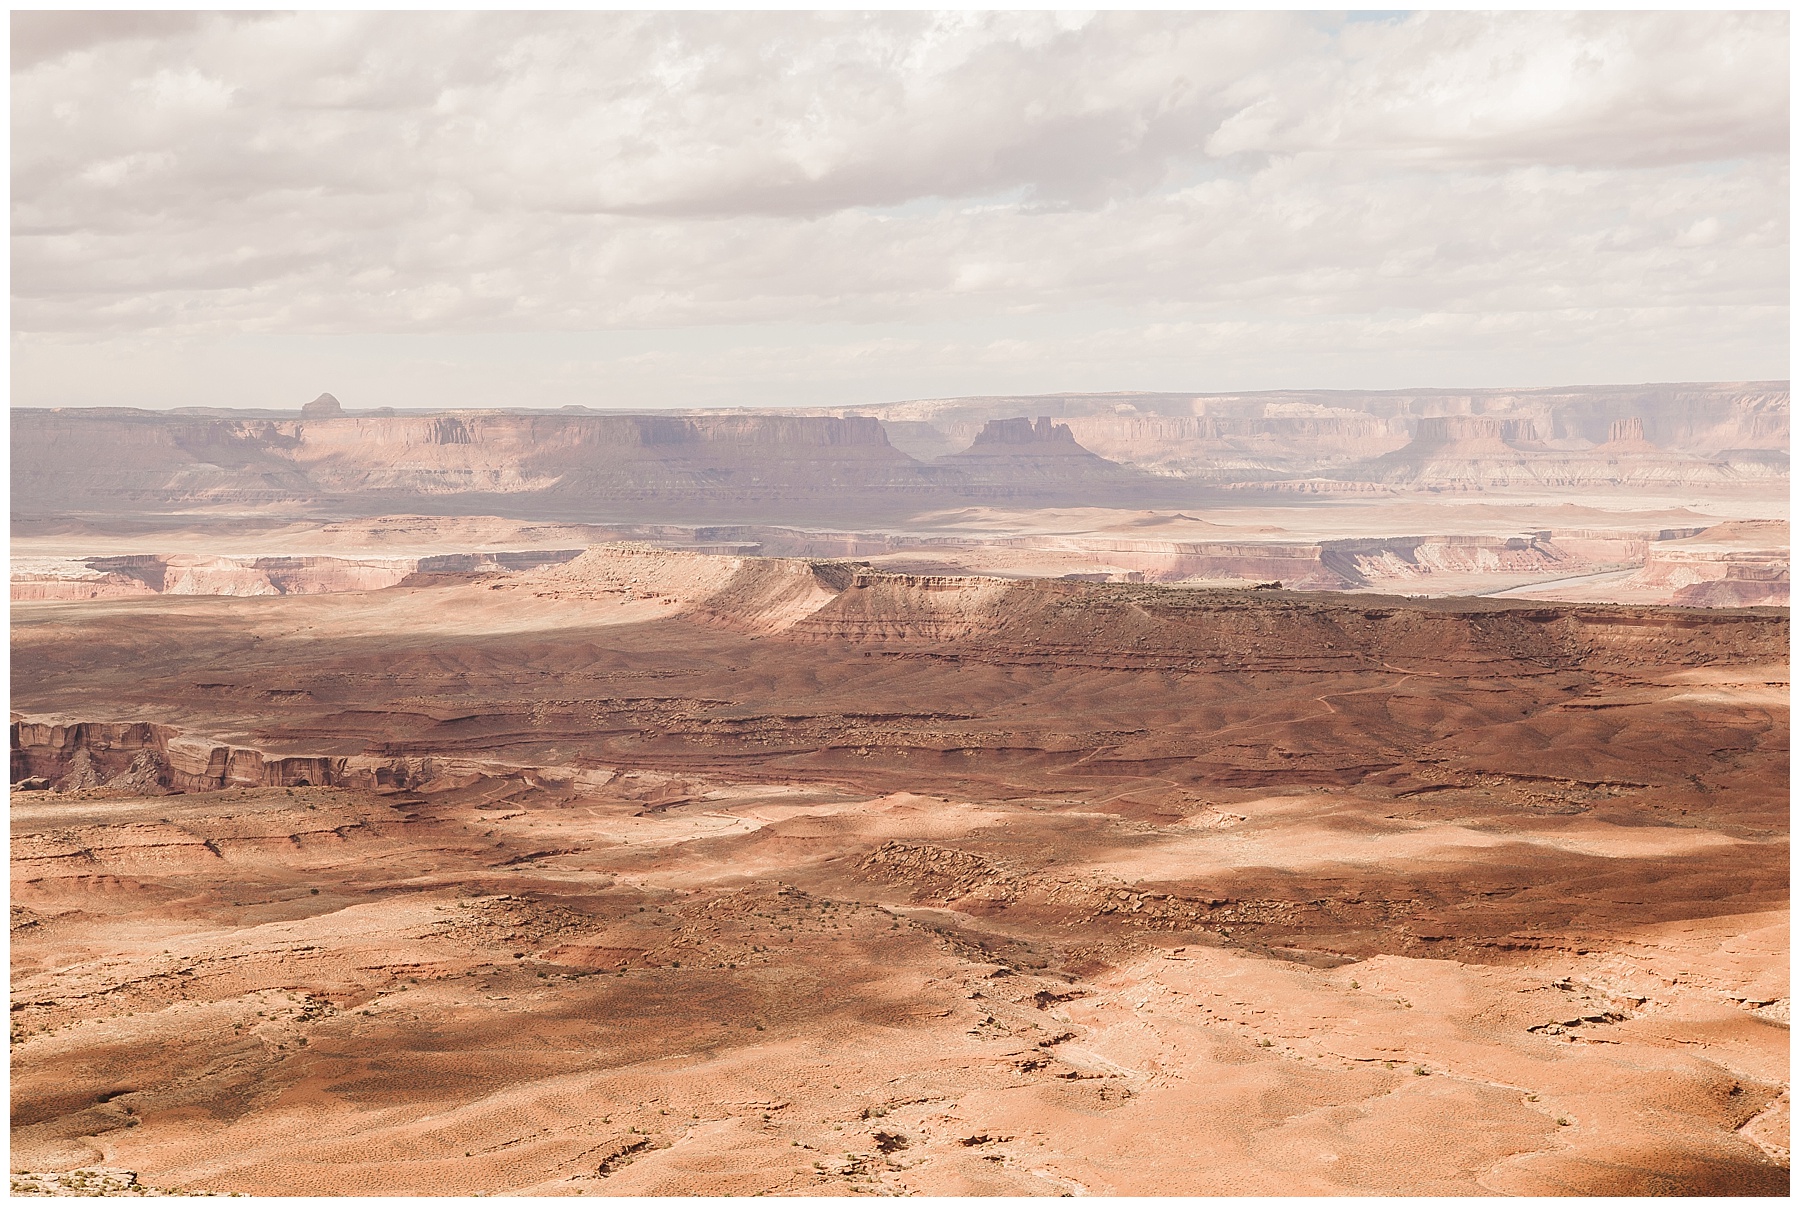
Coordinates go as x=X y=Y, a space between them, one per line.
x=322 y=407
x=1044 y=436
x=1008 y=453
x=1627 y=436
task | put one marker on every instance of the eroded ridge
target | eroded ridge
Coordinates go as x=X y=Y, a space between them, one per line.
x=653 y=873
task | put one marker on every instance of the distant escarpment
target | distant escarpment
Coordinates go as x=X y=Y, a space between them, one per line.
x=1306 y=440
x=113 y=460
x=1103 y=450
x=1472 y=452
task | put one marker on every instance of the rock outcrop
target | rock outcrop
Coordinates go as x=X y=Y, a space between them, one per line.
x=322 y=407
x=1627 y=436
x=1041 y=437
x=1017 y=455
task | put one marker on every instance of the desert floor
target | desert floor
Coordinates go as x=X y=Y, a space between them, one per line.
x=661 y=874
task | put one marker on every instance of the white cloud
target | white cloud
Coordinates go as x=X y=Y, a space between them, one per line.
x=1588 y=89
x=214 y=178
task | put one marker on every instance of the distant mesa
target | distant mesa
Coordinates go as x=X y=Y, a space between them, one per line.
x=1476 y=452
x=1021 y=446
x=1627 y=436
x=1017 y=455
x=323 y=407
x=1140 y=451
x=1040 y=437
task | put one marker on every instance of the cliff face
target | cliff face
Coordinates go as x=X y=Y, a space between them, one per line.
x=151 y=758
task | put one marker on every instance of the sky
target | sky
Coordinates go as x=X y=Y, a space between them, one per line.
x=825 y=209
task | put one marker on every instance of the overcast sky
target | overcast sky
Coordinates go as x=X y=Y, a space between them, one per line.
x=412 y=209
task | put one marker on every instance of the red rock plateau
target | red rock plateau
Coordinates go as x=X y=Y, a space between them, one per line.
x=646 y=872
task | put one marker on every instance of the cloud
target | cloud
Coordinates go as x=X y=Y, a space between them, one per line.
x=1507 y=89
x=41 y=36
x=210 y=176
